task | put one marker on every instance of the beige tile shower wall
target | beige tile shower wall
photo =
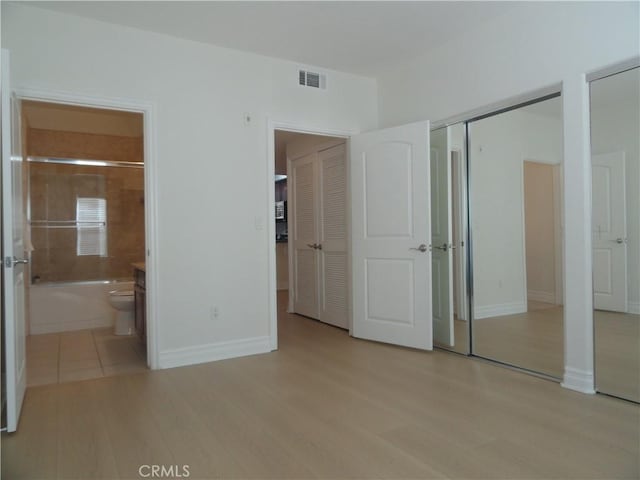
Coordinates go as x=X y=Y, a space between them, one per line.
x=54 y=189
x=53 y=143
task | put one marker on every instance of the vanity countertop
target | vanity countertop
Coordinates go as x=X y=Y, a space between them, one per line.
x=139 y=266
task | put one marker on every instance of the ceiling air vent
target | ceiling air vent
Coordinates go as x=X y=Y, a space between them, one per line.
x=312 y=79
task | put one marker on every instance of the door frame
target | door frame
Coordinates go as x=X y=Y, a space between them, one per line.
x=147 y=109
x=459 y=215
x=557 y=227
x=296 y=127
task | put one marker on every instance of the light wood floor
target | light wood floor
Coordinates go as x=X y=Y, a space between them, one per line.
x=617 y=353
x=535 y=340
x=532 y=340
x=325 y=406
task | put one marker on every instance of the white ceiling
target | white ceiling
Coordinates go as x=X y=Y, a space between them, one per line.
x=359 y=37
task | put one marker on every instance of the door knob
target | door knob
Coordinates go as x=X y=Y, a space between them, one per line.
x=421 y=248
x=312 y=245
x=620 y=240
x=444 y=247
x=318 y=246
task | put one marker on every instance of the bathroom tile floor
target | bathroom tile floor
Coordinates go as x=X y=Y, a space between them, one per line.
x=82 y=355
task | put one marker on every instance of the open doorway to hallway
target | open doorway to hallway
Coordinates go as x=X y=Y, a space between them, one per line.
x=311 y=227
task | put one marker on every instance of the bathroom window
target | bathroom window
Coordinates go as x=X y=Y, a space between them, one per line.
x=91 y=224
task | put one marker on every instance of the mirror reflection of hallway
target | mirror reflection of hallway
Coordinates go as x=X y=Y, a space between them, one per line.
x=515 y=160
x=615 y=147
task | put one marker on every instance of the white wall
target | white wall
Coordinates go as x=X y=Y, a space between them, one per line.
x=616 y=128
x=532 y=46
x=211 y=169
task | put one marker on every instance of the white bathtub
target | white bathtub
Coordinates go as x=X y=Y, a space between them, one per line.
x=61 y=307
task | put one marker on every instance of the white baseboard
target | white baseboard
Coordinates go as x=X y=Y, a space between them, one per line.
x=579 y=380
x=544 y=297
x=633 y=307
x=499 y=310
x=211 y=352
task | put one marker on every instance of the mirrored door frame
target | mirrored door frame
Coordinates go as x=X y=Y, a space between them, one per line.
x=578 y=328
x=468 y=233
x=591 y=78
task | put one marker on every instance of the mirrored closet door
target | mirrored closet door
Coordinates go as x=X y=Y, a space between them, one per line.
x=515 y=198
x=448 y=240
x=615 y=146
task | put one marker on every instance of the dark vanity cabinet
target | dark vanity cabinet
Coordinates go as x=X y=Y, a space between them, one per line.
x=140 y=302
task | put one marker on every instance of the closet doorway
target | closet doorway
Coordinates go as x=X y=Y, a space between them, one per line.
x=311 y=230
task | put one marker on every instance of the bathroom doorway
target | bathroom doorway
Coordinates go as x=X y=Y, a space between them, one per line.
x=84 y=193
x=310 y=229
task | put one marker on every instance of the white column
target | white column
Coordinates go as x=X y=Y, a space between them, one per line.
x=578 y=288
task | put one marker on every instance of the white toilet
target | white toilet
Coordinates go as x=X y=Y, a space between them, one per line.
x=123 y=302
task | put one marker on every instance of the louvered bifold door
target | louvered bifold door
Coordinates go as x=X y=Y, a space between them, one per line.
x=305 y=259
x=333 y=236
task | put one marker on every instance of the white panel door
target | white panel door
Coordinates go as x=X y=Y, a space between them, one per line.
x=305 y=260
x=391 y=263
x=13 y=249
x=441 y=238
x=609 y=232
x=332 y=249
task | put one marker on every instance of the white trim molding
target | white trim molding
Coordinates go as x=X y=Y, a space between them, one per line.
x=499 y=310
x=579 y=380
x=212 y=352
x=633 y=307
x=540 y=296
x=577 y=248
x=147 y=109
x=272 y=126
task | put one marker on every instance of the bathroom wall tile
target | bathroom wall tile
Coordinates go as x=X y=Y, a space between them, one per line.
x=84 y=145
x=55 y=256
